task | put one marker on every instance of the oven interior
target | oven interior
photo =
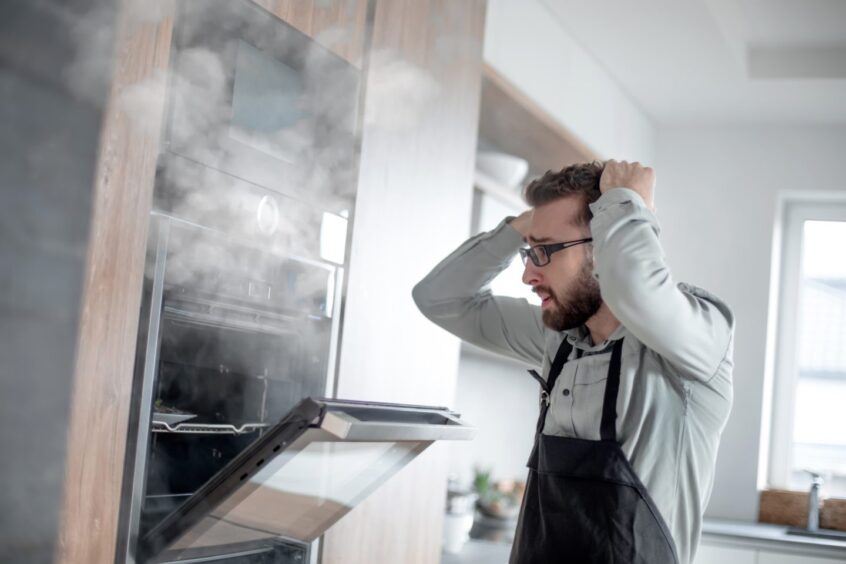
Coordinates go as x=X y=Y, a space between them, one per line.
x=228 y=368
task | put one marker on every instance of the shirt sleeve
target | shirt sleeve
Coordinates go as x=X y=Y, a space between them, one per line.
x=456 y=296
x=691 y=330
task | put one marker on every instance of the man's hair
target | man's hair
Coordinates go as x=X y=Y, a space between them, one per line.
x=581 y=180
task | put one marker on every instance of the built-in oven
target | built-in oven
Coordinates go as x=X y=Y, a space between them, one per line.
x=247 y=254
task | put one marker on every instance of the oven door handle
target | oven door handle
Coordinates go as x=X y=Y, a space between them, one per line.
x=347 y=427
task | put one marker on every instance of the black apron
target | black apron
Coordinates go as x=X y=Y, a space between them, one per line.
x=584 y=503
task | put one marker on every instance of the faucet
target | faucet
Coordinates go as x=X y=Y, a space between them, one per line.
x=814 y=501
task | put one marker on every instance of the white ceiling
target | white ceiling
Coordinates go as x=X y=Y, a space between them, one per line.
x=726 y=61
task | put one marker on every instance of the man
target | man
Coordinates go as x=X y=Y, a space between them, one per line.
x=635 y=368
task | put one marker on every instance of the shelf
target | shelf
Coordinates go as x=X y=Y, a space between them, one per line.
x=207 y=428
x=516 y=124
x=491 y=187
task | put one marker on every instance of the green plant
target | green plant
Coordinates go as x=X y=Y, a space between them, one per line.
x=483 y=484
x=497 y=498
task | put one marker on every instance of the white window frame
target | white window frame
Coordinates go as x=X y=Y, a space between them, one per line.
x=781 y=374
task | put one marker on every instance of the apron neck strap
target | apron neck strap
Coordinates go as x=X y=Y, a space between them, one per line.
x=546 y=385
x=558 y=363
x=608 y=427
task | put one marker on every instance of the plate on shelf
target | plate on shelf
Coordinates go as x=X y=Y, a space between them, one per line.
x=507 y=170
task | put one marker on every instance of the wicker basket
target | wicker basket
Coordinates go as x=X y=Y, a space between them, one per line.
x=783 y=507
x=833 y=514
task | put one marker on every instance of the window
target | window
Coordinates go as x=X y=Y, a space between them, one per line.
x=809 y=408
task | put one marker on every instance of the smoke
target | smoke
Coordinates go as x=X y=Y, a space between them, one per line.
x=92 y=32
x=140 y=102
x=223 y=96
x=398 y=79
x=243 y=109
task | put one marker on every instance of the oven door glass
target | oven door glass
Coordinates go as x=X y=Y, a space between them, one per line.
x=301 y=477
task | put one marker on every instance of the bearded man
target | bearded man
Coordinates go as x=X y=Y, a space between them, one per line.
x=635 y=369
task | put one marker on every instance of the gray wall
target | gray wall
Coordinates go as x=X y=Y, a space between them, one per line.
x=501 y=400
x=716 y=197
x=48 y=147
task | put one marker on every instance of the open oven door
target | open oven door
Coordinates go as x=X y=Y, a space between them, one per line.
x=299 y=478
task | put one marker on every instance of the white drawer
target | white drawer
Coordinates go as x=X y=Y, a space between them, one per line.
x=766 y=557
x=710 y=554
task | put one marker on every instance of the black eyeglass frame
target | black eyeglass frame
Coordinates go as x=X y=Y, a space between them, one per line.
x=530 y=253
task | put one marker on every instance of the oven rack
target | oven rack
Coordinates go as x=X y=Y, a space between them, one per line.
x=207 y=428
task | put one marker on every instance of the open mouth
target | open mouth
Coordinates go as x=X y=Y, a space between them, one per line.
x=545 y=297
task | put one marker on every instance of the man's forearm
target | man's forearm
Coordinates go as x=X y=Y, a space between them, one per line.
x=456 y=296
x=691 y=332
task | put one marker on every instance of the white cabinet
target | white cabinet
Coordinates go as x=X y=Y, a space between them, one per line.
x=712 y=554
x=735 y=542
x=766 y=557
x=717 y=554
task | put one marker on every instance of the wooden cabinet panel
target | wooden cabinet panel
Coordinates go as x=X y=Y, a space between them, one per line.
x=111 y=298
x=413 y=206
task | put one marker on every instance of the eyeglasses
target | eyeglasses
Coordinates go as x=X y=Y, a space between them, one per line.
x=540 y=254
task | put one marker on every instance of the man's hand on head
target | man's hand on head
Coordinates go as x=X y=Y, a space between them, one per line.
x=522 y=223
x=622 y=174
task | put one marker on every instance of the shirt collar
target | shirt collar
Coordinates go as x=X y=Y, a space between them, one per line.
x=579 y=337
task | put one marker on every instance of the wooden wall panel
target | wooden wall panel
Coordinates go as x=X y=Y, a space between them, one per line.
x=413 y=206
x=300 y=15
x=338 y=25
x=111 y=300
x=341 y=27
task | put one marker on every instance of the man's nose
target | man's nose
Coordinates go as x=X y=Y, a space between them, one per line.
x=531 y=274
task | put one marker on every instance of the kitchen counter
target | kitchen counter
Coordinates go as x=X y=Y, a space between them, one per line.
x=769 y=537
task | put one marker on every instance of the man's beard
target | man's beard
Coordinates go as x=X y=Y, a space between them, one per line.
x=581 y=303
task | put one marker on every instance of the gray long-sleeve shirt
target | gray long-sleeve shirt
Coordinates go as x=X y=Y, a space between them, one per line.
x=676 y=375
